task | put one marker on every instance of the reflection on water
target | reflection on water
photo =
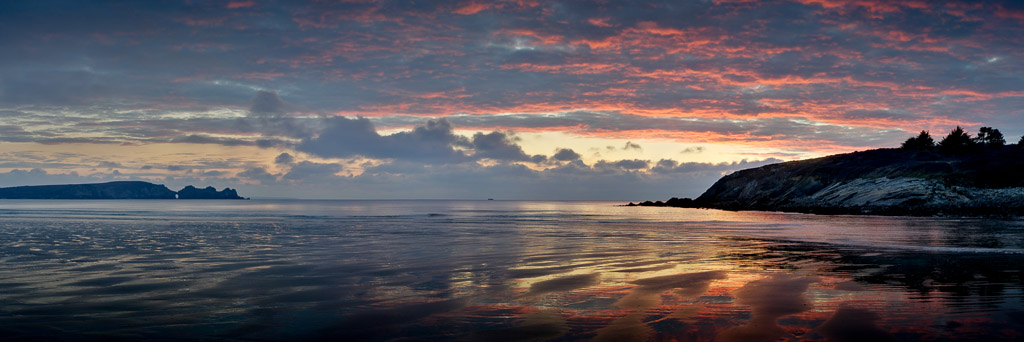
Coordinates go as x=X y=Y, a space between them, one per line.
x=498 y=271
x=854 y=324
x=769 y=299
x=646 y=295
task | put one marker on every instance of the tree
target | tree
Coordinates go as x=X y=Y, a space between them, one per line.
x=1021 y=142
x=922 y=141
x=990 y=137
x=957 y=142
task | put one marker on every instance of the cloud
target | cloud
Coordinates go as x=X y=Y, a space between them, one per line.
x=625 y=164
x=619 y=180
x=240 y=4
x=433 y=142
x=109 y=165
x=847 y=64
x=668 y=166
x=311 y=171
x=177 y=168
x=267 y=105
x=846 y=75
x=258 y=174
x=497 y=145
x=271 y=115
x=38 y=176
x=284 y=159
x=213 y=173
x=790 y=133
x=206 y=139
x=693 y=149
x=565 y=154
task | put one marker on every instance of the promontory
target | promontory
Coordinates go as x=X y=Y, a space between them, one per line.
x=113 y=190
x=959 y=176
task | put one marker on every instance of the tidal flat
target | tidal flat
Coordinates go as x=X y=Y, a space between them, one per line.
x=498 y=271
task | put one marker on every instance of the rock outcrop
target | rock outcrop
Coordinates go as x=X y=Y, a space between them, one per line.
x=191 y=192
x=911 y=196
x=884 y=182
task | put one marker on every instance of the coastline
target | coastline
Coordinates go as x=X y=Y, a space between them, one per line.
x=980 y=181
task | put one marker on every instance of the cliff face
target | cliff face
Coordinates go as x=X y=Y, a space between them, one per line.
x=111 y=190
x=884 y=181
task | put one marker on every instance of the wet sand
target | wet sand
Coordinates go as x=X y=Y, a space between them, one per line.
x=502 y=271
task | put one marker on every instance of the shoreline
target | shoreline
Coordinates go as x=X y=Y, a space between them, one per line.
x=959 y=212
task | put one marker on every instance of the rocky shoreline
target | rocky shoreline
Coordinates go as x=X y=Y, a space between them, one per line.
x=893 y=182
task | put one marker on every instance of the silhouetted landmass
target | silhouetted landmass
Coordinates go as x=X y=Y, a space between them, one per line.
x=971 y=180
x=113 y=190
x=191 y=192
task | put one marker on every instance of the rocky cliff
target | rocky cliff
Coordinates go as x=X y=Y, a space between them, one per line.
x=191 y=192
x=111 y=190
x=883 y=181
x=114 y=190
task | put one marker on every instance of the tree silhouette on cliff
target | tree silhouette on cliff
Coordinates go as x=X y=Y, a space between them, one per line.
x=922 y=141
x=957 y=142
x=990 y=137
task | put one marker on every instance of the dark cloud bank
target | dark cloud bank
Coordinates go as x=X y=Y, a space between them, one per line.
x=428 y=161
x=431 y=161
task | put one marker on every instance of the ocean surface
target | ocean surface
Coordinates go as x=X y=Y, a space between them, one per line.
x=267 y=270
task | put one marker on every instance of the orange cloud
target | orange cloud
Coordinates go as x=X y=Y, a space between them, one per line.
x=472 y=8
x=600 y=22
x=576 y=68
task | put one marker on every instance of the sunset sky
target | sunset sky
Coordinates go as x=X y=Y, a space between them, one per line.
x=474 y=99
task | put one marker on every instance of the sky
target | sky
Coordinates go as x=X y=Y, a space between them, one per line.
x=601 y=100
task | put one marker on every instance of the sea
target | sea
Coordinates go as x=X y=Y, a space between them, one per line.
x=429 y=270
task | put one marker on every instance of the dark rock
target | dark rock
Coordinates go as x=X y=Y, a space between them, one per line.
x=908 y=182
x=111 y=190
x=680 y=202
x=191 y=192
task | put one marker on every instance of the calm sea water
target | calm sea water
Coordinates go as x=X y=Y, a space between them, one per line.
x=498 y=271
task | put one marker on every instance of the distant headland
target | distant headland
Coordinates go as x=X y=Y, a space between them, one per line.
x=959 y=176
x=114 y=190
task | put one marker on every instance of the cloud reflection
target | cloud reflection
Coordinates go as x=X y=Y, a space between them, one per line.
x=769 y=299
x=646 y=295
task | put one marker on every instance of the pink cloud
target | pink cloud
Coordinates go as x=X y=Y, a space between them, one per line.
x=472 y=8
x=241 y=4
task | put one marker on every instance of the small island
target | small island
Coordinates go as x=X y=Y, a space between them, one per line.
x=960 y=176
x=191 y=192
x=114 y=190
